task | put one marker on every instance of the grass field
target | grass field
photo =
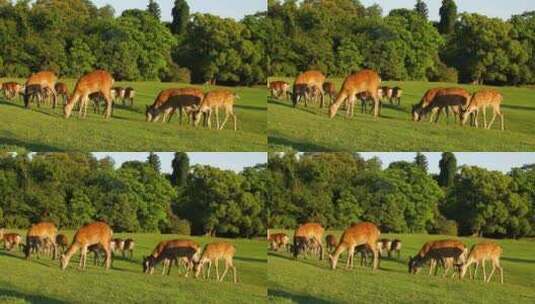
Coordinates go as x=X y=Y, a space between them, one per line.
x=46 y=130
x=41 y=281
x=311 y=281
x=310 y=129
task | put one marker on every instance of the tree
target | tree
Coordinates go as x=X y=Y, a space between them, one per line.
x=180 y=15
x=154 y=9
x=448 y=17
x=81 y=210
x=180 y=166
x=448 y=169
x=421 y=161
x=154 y=161
x=421 y=8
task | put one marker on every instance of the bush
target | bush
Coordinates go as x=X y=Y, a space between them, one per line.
x=179 y=226
x=443 y=73
x=175 y=73
x=447 y=227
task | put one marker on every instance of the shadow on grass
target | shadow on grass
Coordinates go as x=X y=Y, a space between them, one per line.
x=517 y=260
x=298 y=146
x=254 y=260
x=252 y=108
x=34 y=147
x=294 y=297
x=524 y=108
x=11 y=104
x=29 y=297
x=33 y=260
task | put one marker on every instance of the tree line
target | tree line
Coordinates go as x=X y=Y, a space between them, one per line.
x=338 y=189
x=342 y=36
x=72 y=189
x=74 y=37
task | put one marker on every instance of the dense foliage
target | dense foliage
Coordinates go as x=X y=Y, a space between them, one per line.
x=337 y=189
x=72 y=189
x=341 y=36
x=74 y=37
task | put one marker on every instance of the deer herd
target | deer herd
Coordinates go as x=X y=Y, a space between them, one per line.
x=43 y=239
x=364 y=239
x=365 y=86
x=98 y=88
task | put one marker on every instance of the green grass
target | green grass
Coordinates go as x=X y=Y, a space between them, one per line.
x=41 y=281
x=310 y=129
x=46 y=130
x=311 y=281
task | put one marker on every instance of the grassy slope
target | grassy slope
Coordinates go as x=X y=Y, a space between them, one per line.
x=309 y=129
x=46 y=130
x=310 y=281
x=41 y=281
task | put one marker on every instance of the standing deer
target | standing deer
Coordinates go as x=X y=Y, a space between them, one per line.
x=212 y=102
x=36 y=236
x=168 y=101
x=170 y=252
x=129 y=95
x=304 y=83
x=397 y=93
x=278 y=240
x=438 y=252
x=365 y=81
x=98 y=81
x=479 y=102
x=480 y=253
x=395 y=247
x=279 y=88
x=116 y=245
x=62 y=91
x=303 y=234
x=383 y=246
x=128 y=249
x=214 y=252
x=117 y=93
x=356 y=235
x=11 y=240
x=90 y=234
x=12 y=90
x=41 y=82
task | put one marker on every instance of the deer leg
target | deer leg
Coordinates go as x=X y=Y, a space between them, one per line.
x=485 y=117
x=493 y=119
x=227 y=266
x=484 y=272
x=492 y=272
x=227 y=115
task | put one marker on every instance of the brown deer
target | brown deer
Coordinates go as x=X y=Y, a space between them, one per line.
x=329 y=89
x=62 y=241
x=11 y=240
x=304 y=82
x=426 y=100
x=129 y=95
x=98 y=81
x=383 y=246
x=170 y=252
x=62 y=91
x=168 y=101
x=278 y=240
x=358 y=234
x=438 y=252
x=212 y=102
x=395 y=247
x=117 y=93
x=479 y=254
x=279 y=88
x=397 y=93
x=444 y=99
x=365 y=81
x=331 y=242
x=480 y=101
x=12 y=90
x=214 y=252
x=128 y=248
x=90 y=234
x=303 y=234
x=37 y=234
x=116 y=245
x=45 y=80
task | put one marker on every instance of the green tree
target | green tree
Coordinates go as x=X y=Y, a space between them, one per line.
x=181 y=17
x=81 y=59
x=181 y=168
x=421 y=161
x=154 y=9
x=154 y=161
x=448 y=17
x=81 y=210
x=448 y=169
x=422 y=9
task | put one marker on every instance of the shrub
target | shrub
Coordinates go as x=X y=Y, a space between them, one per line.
x=447 y=227
x=443 y=73
x=175 y=73
x=179 y=226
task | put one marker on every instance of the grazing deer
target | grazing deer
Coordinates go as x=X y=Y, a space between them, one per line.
x=128 y=249
x=438 y=252
x=36 y=236
x=365 y=253
x=304 y=83
x=168 y=101
x=331 y=242
x=279 y=88
x=303 y=234
x=479 y=254
x=12 y=90
x=62 y=91
x=43 y=81
x=383 y=245
x=62 y=241
x=116 y=245
x=479 y=102
x=397 y=93
x=171 y=251
x=278 y=240
x=117 y=93
x=212 y=102
x=365 y=81
x=214 y=252
x=395 y=247
x=443 y=99
x=387 y=93
x=98 y=81
x=426 y=100
x=90 y=234
x=329 y=89
x=11 y=240
x=129 y=95
x=356 y=235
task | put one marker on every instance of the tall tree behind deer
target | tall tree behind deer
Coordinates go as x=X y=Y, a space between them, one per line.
x=92 y=234
x=98 y=81
x=365 y=81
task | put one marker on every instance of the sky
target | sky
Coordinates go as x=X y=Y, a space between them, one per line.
x=236 y=9
x=227 y=161
x=492 y=8
x=503 y=162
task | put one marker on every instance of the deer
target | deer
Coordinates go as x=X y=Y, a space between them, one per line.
x=331 y=242
x=395 y=98
x=426 y=100
x=36 y=235
x=168 y=101
x=62 y=91
x=383 y=246
x=387 y=93
x=116 y=245
x=442 y=252
x=395 y=247
x=212 y=102
x=303 y=234
x=171 y=251
x=62 y=241
x=479 y=254
x=278 y=240
x=304 y=82
x=128 y=248
x=364 y=233
x=443 y=99
x=90 y=234
x=41 y=81
x=98 y=81
x=129 y=95
x=329 y=89
x=480 y=101
x=117 y=93
x=279 y=88
x=12 y=90
x=214 y=252
x=365 y=81
x=11 y=240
